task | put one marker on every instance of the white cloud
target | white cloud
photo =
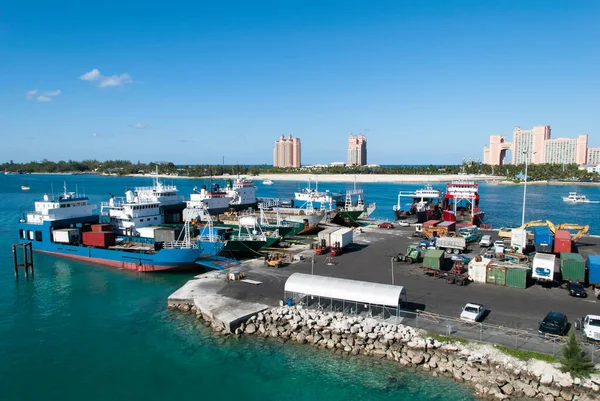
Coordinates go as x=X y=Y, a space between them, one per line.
x=141 y=126
x=42 y=96
x=94 y=134
x=115 y=80
x=106 y=81
x=93 y=75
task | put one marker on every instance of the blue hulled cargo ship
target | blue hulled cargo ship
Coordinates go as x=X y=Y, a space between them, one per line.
x=67 y=227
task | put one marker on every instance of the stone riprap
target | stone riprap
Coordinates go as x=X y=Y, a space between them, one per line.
x=491 y=373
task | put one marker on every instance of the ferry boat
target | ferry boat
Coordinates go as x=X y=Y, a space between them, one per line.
x=67 y=227
x=461 y=203
x=267 y=182
x=143 y=207
x=317 y=199
x=242 y=193
x=215 y=201
x=574 y=197
x=424 y=203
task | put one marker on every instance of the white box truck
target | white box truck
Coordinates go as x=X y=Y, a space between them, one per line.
x=544 y=267
x=451 y=244
x=66 y=235
x=518 y=240
x=343 y=237
x=325 y=235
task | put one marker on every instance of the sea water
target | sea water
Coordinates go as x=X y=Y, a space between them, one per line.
x=78 y=331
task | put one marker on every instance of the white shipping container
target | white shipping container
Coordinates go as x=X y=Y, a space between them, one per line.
x=544 y=267
x=343 y=236
x=518 y=240
x=66 y=235
x=326 y=235
x=146 y=232
x=477 y=270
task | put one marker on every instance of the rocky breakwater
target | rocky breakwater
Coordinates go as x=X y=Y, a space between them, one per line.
x=489 y=372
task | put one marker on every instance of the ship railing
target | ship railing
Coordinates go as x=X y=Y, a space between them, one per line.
x=269 y=203
x=162 y=188
x=180 y=245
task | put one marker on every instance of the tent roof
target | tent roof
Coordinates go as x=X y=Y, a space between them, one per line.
x=349 y=290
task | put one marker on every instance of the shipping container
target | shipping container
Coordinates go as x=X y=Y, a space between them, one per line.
x=146 y=232
x=163 y=234
x=101 y=227
x=66 y=235
x=450 y=226
x=431 y=223
x=325 y=235
x=518 y=240
x=544 y=267
x=495 y=275
x=102 y=239
x=572 y=267
x=433 y=259
x=342 y=237
x=478 y=269
x=518 y=277
x=594 y=269
x=449 y=216
x=543 y=239
x=562 y=241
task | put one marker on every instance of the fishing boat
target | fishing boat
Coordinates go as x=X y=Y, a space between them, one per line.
x=352 y=211
x=424 y=203
x=317 y=199
x=267 y=182
x=249 y=239
x=143 y=207
x=574 y=197
x=461 y=203
x=67 y=227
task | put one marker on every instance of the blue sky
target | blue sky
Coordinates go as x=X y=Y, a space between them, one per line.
x=426 y=81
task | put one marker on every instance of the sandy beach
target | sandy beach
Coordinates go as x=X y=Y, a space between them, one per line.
x=389 y=178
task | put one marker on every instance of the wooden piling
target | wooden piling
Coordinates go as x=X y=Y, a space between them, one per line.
x=27 y=265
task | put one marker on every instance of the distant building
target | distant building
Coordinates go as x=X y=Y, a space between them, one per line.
x=536 y=146
x=357 y=150
x=287 y=152
x=593 y=156
x=338 y=164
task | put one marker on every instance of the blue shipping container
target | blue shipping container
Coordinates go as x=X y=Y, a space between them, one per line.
x=594 y=269
x=542 y=236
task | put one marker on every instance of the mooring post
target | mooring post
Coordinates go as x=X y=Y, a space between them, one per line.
x=15 y=263
x=27 y=259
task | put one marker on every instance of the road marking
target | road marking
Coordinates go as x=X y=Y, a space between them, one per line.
x=587 y=300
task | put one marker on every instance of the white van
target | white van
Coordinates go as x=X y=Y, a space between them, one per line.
x=486 y=241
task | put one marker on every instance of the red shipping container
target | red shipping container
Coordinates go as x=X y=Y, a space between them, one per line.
x=562 y=241
x=101 y=227
x=102 y=239
x=449 y=216
x=431 y=223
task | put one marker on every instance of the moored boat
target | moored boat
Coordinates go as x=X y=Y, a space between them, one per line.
x=424 y=203
x=461 y=203
x=67 y=227
x=267 y=182
x=316 y=199
x=242 y=193
x=215 y=201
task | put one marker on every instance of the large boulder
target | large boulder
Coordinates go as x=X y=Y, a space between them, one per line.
x=250 y=329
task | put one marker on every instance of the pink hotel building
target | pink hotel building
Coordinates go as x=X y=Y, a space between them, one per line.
x=287 y=152
x=537 y=146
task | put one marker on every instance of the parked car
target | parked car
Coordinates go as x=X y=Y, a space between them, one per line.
x=590 y=325
x=555 y=323
x=465 y=259
x=486 y=241
x=403 y=223
x=385 y=225
x=472 y=312
x=576 y=289
x=505 y=232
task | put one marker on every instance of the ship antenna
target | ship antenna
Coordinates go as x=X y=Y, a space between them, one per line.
x=65 y=187
x=76 y=191
x=52 y=189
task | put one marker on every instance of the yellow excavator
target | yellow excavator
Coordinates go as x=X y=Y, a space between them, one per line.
x=582 y=230
x=539 y=223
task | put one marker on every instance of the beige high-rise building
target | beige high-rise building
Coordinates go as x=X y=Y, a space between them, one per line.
x=536 y=146
x=593 y=156
x=287 y=152
x=357 y=150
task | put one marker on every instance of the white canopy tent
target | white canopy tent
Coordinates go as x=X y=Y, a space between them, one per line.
x=302 y=288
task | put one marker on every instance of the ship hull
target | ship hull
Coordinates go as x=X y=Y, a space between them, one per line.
x=348 y=218
x=244 y=206
x=309 y=223
x=242 y=249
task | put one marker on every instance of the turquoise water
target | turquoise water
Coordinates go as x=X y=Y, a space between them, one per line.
x=79 y=331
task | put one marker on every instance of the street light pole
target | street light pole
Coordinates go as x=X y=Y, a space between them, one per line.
x=392 y=261
x=312 y=266
x=524 y=190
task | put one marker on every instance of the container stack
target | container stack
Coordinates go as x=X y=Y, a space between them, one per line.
x=572 y=267
x=101 y=236
x=562 y=241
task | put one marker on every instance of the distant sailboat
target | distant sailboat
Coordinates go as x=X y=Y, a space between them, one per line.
x=25 y=187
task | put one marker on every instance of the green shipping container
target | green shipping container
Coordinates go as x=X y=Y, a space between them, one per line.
x=517 y=277
x=434 y=259
x=572 y=267
x=496 y=275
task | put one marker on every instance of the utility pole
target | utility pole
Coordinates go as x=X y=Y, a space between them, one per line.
x=312 y=266
x=392 y=261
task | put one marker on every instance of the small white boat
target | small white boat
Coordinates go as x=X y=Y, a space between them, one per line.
x=574 y=197
x=25 y=188
x=267 y=182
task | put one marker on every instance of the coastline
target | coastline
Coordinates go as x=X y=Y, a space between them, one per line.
x=547 y=182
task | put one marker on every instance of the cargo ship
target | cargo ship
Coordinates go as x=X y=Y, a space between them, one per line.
x=424 y=203
x=67 y=227
x=461 y=203
x=352 y=211
x=316 y=199
x=308 y=217
x=242 y=193
x=215 y=201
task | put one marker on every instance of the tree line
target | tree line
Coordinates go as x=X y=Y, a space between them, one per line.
x=126 y=167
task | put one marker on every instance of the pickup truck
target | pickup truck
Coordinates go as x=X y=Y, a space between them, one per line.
x=590 y=326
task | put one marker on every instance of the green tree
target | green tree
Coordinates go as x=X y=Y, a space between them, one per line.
x=574 y=361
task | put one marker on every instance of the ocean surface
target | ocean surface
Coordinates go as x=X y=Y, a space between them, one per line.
x=86 y=332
